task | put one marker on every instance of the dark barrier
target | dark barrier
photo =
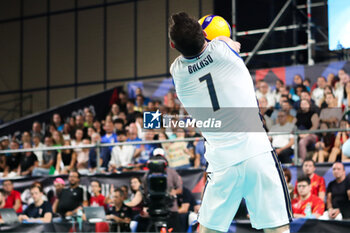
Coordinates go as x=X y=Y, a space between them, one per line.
x=299 y=225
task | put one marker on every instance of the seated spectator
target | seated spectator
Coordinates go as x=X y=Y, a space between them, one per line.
x=130 y=111
x=78 y=140
x=89 y=119
x=38 y=144
x=145 y=149
x=139 y=103
x=28 y=161
x=110 y=136
x=122 y=155
x=54 y=193
x=12 y=197
x=265 y=113
x=318 y=186
x=199 y=151
x=324 y=145
x=327 y=90
x=305 y=95
x=307 y=119
x=72 y=198
x=114 y=111
x=339 y=86
x=96 y=198
x=104 y=152
x=118 y=124
x=57 y=138
x=40 y=211
x=66 y=159
x=332 y=114
x=136 y=199
x=307 y=205
x=283 y=143
x=179 y=153
x=12 y=161
x=338 y=192
x=187 y=206
x=297 y=81
x=37 y=129
x=264 y=91
x=346 y=96
x=318 y=93
x=2 y=198
x=83 y=158
x=340 y=139
x=49 y=158
x=288 y=177
x=25 y=138
x=277 y=92
x=119 y=212
x=67 y=131
x=4 y=143
x=57 y=121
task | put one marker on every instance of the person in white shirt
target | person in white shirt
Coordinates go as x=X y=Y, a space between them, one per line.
x=318 y=93
x=212 y=76
x=283 y=143
x=264 y=91
x=121 y=155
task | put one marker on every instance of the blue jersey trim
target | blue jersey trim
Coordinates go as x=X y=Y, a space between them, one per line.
x=232 y=49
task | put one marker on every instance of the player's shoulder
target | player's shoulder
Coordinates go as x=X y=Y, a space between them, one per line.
x=175 y=65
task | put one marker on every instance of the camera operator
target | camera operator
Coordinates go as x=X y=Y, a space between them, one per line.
x=174 y=188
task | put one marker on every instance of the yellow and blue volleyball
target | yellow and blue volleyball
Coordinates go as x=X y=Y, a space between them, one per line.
x=215 y=26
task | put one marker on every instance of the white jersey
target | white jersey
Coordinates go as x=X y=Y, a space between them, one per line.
x=219 y=80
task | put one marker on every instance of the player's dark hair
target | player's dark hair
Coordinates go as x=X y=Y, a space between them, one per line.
x=309 y=160
x=304 y=178
x=186 y=34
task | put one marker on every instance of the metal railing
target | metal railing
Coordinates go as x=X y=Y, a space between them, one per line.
x=99 y=145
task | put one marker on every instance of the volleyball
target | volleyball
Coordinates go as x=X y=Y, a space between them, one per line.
x=215 y=26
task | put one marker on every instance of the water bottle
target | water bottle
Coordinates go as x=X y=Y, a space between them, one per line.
x=307 y=211
x=79 y=219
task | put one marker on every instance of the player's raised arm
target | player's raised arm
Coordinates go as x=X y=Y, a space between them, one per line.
x=236 y=46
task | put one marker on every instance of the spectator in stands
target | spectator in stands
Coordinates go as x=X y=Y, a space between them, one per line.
x=136 y=202
x=133 y=137
x=79 y=122
x=306 y=205
x=119 y=212
x=307 y=84
x=180 y=153
x=104 y=151
x=318 y=93
x=110 y=136
x=283 y=143
x=140 y=103
x=122 y=155
x=332 y=114
x=57 y=121
x=26 y=138
x=38 y=144
x=264 y=91
x=339 y=86
x=114 y=111
x=305 y=95
x=40 y=211
x=78 y=141
x=118 y=125
x=49 y=158
x=346 y=96
x=146 y=149
x=89 y=119
x=4 y=142
x=97 y=126
x=83 y=158
x=151 y=106
x=199 y=151
x=13 y=161
x=122 y=100
x=12 y=197
x=66 y=159
x=307 y=119
x=318 y=186
x=90 y=131
x=324 y=145
x=96 y=198
x=338 y=192
x=72 y=198
x=288 y=177
x=36 y=129
x=340 y=139
x=327 y=90
x=51 y=128
x=288 y=109
x=331 y=79
x=28 y=161
x=2 y=198
x=130 y=111
x=57 y=138
x=187 y=206
x=265 y=112
x=297 y=81
x=67 y=131
x=277 y=93
x=54 y=193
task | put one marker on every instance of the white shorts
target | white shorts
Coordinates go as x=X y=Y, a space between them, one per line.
x=260 y=181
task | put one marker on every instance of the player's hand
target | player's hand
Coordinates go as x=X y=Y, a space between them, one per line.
x=236 y=46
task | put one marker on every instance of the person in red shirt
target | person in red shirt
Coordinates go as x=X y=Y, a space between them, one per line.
x=13 y=197
x=96 y=199
x=318 y=185
x=307 y=205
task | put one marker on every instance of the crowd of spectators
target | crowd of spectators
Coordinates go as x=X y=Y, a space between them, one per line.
x=283 y=108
